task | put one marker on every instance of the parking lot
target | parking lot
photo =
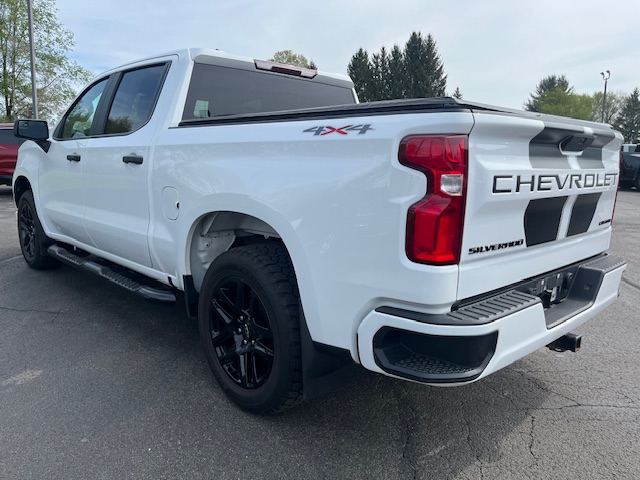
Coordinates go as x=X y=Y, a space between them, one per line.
x=96 y=383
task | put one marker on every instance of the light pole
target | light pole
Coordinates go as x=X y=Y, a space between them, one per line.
x=34 y=92
x=606 y=75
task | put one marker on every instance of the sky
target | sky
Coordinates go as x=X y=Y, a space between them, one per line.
x=495 y=51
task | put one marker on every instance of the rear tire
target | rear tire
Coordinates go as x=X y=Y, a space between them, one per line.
x=636 y=183
x=33 y=241
x=249 y=319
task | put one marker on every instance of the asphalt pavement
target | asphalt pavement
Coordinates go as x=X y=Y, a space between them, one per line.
x=96 y=383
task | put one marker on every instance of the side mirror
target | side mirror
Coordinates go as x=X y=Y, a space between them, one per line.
x=36 y=130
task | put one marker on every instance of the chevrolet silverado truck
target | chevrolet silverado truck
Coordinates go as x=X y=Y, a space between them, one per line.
x=430 y=240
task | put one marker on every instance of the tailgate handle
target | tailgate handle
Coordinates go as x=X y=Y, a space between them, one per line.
x=577 y=142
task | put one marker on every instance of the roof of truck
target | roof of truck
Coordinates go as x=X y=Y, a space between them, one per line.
x=217 y=57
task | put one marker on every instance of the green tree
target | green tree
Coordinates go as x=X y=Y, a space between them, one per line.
x=288 y=57
x=359 y=69
x=457 y=94
x=380 y=73
x=57 y=75
x=628 y=121
x=417 y=71
x=612 y=107
x=553 y=86
x=555 y=95
x=424 y=70
x=396 y=74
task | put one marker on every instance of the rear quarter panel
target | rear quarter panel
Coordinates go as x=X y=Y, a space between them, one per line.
x=339 y=202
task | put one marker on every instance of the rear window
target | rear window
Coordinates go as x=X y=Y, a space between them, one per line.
x=8 y=138
x=216 y=91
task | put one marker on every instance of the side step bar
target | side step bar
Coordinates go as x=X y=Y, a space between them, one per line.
x=146 y=292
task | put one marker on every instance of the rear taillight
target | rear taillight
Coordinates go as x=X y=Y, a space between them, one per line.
x=434 y=224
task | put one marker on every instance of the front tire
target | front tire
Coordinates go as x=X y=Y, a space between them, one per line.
x=33 y=241
x=249 y=319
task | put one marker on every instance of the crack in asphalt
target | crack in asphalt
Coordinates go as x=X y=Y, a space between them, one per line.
x=630 y=283
x=10 y=258
x=28 y=310
x=590 y=405
x=399 y=393
x=472 y=449
x=577 y=404
x=532 y=438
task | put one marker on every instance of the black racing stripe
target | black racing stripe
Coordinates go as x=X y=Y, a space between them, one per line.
x=591 y=158
x=542 y=220
x=544 y=151
x=582 y=213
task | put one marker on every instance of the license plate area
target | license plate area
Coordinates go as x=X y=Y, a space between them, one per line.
x=551 y=289
x=567 y=292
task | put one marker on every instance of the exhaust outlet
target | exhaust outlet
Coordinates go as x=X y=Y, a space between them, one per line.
x=566 y=342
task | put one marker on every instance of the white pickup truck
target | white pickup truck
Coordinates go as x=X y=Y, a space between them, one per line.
x=431 y=240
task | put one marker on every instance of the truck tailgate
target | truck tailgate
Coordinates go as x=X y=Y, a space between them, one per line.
x=541 y=192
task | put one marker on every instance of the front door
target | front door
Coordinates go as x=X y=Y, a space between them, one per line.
x=60 y=192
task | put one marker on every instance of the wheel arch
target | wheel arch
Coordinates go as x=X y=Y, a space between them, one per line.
x=325 y=368
x=20 y=186
x=239 y=221
x=216 y=232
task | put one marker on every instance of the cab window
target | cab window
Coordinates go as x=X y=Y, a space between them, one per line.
x=79 y=120
x=135 y=98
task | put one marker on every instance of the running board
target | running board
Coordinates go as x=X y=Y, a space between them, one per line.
x=82 y=263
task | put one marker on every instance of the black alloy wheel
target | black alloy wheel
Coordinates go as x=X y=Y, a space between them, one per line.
x=241 y=333
x=249 y=319
x=27 y=231
x=33 y=241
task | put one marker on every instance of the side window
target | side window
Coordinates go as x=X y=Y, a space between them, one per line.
x=134 y=100
x=79 y=120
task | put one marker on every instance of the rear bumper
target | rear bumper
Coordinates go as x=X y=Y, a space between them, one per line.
x=485 y=335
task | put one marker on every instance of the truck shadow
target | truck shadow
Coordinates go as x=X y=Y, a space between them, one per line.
x=134 y=375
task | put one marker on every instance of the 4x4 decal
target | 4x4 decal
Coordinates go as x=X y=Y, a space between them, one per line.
x=326 y=129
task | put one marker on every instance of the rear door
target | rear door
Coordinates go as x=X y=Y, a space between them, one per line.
x=540 y=195
x=116 y=167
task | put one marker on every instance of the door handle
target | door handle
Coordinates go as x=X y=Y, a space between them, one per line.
x=137 y=159
x=73 y=158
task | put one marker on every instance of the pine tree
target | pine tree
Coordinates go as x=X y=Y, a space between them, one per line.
x=457 y=94
x=424 y=70
x=628 y=121
x=359 y=70
x=396 y=75
x=415 y=72
x=380 y=71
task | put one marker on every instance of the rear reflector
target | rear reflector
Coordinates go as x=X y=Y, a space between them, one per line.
x=434 y=224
